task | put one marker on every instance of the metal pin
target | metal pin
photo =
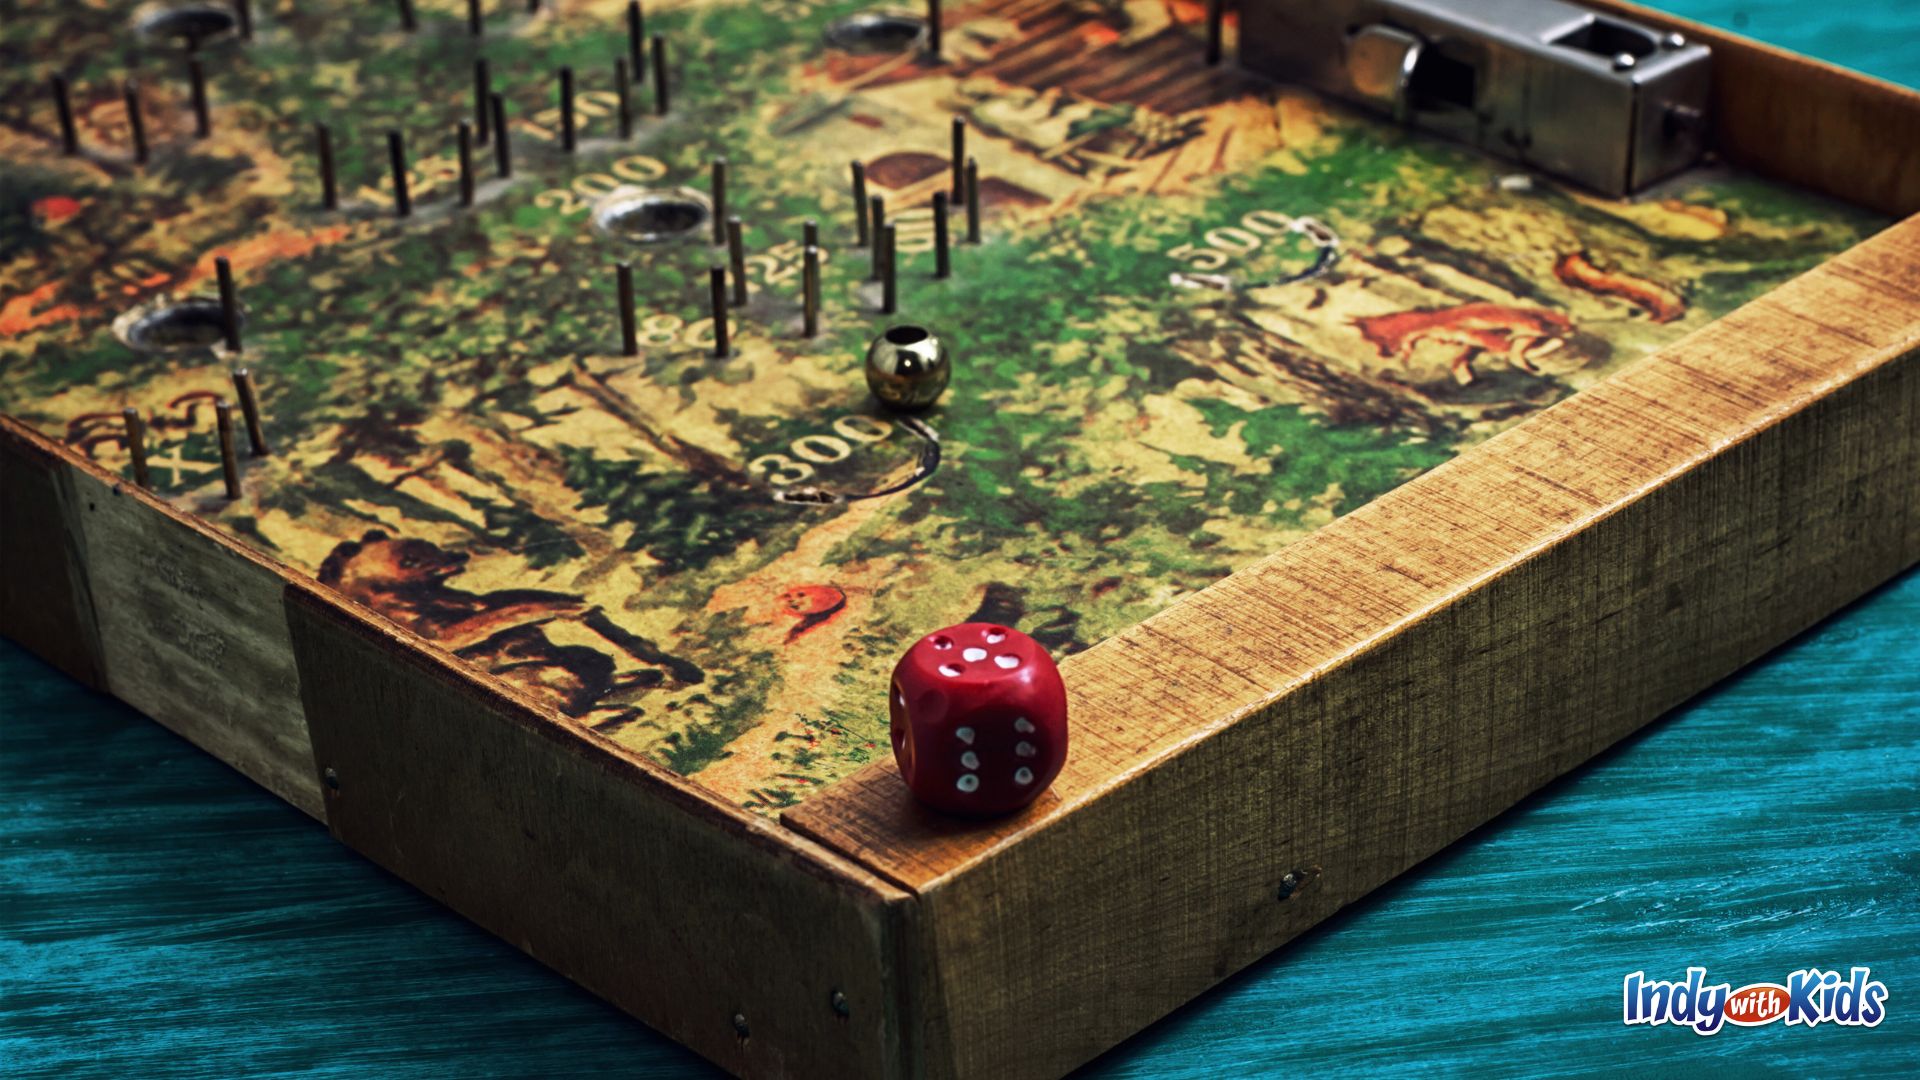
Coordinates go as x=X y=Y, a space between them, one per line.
x=629 y=337
x=860 y=199
x=63 y=104
x=137 y=445
x=229 y=463
x=877 y=212
x=933 y=30
x=973 y=201
x=229 y=304
x=1216 y=16
x=329 y=188
x=136 y=124
x=502 y=156
x=737 y=261
x=482 y=90
x=636 y=33
x=810 y=291
x=473 y=17
x=397 y=157
x=659 y=75
x=407 y=20
x=250 y=411
x=889 y=289
x=810 y=233
x=202 y=120
x=959 y=156
x=719 y=196
x=717 y=284
x=942 y=259
x=466 y=163
x=567 y=139
x=623 y=89
x=243 y=14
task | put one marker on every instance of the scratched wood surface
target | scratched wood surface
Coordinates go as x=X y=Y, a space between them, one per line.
x=1674 y=522
x=161 y=915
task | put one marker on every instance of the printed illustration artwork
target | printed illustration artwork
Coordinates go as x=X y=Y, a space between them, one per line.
x=1209 y=314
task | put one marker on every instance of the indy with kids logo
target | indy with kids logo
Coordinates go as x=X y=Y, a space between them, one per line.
x=1809 y=996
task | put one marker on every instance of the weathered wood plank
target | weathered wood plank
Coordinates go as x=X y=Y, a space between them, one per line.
x=180 y=622
x=43 y=592
x=680 y=909
x=1318 y=723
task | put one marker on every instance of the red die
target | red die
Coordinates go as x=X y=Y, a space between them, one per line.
x=979 y=719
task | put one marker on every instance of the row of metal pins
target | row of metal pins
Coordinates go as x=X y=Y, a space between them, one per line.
x=870 y=211
x=136 y=121
x=724 y=297
x=409 y=19
x=490 y=124
x=243 y=389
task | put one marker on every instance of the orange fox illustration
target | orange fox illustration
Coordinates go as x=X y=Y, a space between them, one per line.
x=1523 y=337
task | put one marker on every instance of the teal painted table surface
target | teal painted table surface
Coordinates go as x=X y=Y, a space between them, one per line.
x=159 y=915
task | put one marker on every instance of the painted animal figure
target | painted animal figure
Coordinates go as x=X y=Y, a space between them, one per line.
x=405 y=580
x=1527 y=338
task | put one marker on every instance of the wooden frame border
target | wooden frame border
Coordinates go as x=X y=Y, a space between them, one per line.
x=627 y=878
x=1281 y=743
x=1246 y=762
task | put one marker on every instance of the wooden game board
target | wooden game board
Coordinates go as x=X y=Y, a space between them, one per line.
x=1251 y=423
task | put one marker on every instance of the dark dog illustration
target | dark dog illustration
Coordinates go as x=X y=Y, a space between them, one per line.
x=405 y=580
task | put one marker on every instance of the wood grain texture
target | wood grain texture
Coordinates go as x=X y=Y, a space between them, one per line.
x=683 y=910
x=1275 y=746
x=181 y=622
x=1806 y=121
x=43 y=593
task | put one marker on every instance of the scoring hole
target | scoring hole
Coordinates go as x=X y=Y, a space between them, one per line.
x=973 y=653
x=943 y=642
x=1007 y=660
x=951 y=670
x=996 y=635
